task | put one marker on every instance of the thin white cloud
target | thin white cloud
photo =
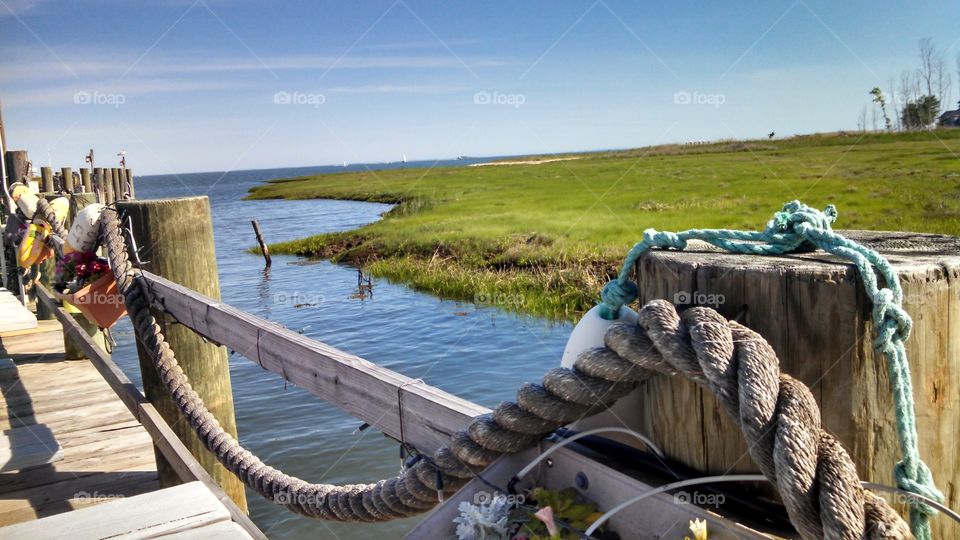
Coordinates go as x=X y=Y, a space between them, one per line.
x=396 y=89
x=70 y=94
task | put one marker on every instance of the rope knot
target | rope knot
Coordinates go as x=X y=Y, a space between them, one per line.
x=615 y=294
x=794 y=219
x=920 y=483
x=892 y=321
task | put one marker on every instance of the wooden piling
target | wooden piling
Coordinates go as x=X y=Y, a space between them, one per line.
x=130 y=190
x=814 y=312
x=16 y=163
x=86 y=180
x=67 y=173
x=104 y=185
x=176 y=237
x=46 y=180
x=263 y=245
x=117 y=185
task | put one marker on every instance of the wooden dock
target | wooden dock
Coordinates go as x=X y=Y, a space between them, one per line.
x=75 y=462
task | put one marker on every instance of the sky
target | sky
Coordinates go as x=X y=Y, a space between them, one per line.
x=213 y=85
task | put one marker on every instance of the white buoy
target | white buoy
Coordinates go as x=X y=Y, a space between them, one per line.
x=25 y=199
x=589 y=333
x=83 y=232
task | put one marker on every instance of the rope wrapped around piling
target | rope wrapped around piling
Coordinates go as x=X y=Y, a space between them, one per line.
x=777 y=414
x=45 y=211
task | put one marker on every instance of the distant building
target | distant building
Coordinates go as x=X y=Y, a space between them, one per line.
x=950 y=118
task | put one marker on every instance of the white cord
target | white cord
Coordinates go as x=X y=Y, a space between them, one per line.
x=683 y=483
x=749 y=478
x=647 y=442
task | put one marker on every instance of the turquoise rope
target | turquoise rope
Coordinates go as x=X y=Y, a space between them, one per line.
x=798 y=227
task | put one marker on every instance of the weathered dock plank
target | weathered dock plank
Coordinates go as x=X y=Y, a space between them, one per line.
x=13 y=316
x=189 y=510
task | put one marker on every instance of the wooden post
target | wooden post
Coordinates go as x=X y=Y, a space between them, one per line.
x=813 y=310
x=129 y=175
x=176 y=236
x=85 y=178
x=103 y=184
x=117 y=185
x=46 y=180
x=263 y=245
x=67 y=173
x=16 y=163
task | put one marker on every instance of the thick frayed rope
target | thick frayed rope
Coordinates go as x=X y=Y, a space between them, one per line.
x=798 y=227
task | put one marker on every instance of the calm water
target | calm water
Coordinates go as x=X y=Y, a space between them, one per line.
x=479 y=353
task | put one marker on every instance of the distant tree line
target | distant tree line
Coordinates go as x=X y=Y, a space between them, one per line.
x=916 y=99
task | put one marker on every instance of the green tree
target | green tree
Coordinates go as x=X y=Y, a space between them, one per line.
x=921 y=113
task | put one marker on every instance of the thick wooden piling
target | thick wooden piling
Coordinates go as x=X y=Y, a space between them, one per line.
x=46 y=180
x=16 y=162
x=117 y=184
x=85 y=179
x=176 y=237
x=263 y=245
x=67 y=173
x=813 y=310
x=106 y=185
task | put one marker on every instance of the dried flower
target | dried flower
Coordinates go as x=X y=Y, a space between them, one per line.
x=545 y=515
x=699 y=529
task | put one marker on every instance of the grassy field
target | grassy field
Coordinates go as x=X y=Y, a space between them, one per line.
x=543 y=239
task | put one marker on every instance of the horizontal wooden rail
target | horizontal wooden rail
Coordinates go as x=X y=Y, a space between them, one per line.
x=368 y=391
x=163 y=437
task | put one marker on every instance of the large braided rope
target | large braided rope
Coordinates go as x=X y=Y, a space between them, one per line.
x=46 y=212
x=777 y=414
x=798 y=227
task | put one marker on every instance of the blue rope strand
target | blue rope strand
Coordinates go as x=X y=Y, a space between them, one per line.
x=798 y=227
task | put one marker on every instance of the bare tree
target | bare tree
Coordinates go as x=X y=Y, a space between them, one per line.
x=933 y=72
x=862 y=120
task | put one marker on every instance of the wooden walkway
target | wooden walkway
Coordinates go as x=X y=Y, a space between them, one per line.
x=74 y=461
x=106 y=453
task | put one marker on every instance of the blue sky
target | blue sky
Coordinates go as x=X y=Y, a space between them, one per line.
x=238 y=84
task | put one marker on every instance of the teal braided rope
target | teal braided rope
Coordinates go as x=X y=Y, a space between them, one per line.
x=798 y=227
